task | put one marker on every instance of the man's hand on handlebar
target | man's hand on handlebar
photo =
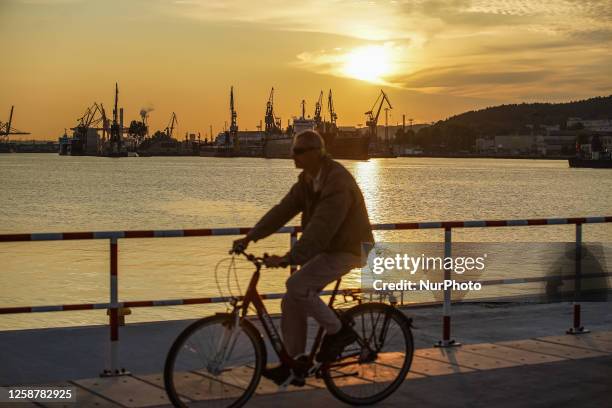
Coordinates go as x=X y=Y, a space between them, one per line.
x=240 y=245
x=271 y=261
x=275 y=261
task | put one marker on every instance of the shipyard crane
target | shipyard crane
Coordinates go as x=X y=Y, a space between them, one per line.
x=105 y=122
x=6 y=129
x=116 y=128
x=94 y=115
x=330 y=106
x=233 y=130
x=272 y=122
x=372 y=119
x=93 y=119
x=317 y=112
x=171 y=124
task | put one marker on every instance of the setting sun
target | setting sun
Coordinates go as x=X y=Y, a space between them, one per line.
x=370 y=63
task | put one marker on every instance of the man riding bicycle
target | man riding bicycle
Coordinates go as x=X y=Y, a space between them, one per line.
x=335 y=225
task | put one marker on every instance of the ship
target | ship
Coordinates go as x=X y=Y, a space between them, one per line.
x=340 y=142
x=590 y=163
x=592 y=154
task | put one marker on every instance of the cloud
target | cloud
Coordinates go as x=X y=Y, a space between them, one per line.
x=369 y=20
x=375 y=63
x=465 y=47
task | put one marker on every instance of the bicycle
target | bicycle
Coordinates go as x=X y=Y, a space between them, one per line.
x=218 y=360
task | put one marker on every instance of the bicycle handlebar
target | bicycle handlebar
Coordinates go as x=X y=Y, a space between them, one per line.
x=255 y=259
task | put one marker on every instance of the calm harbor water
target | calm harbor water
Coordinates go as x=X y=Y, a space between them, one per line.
x=51 y=193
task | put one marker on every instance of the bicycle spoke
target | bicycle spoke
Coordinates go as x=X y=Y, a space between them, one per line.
x=384 y=331
x=211 y=367
x=358 y=377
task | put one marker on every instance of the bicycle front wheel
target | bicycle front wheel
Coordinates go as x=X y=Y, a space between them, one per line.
x=374 y=366
x=214 y=362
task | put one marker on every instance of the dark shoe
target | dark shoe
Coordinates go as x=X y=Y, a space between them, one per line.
x=334 y=344
x=280 y=375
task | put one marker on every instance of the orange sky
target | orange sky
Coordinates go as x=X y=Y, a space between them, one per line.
x=433 y=58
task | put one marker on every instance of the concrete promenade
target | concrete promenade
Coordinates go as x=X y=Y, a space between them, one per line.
x=512 y=355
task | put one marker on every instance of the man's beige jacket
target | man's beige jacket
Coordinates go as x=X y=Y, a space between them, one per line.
x=334 y=219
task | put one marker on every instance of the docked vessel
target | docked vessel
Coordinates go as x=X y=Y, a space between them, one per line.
x=341 y=143
x=592 y=154
x=591 y=163
x=278 y=146
x=346 y=143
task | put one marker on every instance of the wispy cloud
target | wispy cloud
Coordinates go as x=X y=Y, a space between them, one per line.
x=369 y=20
x=508 y=47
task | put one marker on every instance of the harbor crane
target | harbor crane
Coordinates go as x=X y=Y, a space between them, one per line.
x=105 y=122
x=171 y=125
x=317 y=112
x=272 y=122
x=233 y=130
x=6 y=129
x=330 y=107
x=94 y=117
x=115 y=146
x=372 y=119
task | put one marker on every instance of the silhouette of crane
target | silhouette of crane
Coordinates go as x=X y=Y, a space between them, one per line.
x=271 y=121
x=171 y=125
x=233 y=130
x=330 y=107
x=317 y=112
x=372 y=119
x=7 y=130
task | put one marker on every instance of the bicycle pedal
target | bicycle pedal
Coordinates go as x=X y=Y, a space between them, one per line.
x=315 y=368
x=292 y=380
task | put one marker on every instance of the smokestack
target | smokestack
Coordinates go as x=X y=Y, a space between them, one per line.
x=404 y=122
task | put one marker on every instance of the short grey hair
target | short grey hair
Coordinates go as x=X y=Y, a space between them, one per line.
x=310 y=138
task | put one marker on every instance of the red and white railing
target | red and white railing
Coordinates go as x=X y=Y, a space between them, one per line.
x=113 y=236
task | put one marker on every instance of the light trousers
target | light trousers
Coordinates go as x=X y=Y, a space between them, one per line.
x=302 y=298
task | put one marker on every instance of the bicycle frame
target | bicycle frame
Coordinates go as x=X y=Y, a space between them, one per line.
x=252 y=297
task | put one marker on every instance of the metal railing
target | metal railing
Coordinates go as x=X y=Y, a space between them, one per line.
x=114 y=306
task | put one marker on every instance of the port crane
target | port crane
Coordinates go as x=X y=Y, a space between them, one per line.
x=233 y=130
x=94 y=117
x=372 y=119
x=116 y=128
x=272 y=122
x=317 y=112
x=171 y=124
x=330 y=107
x=7 y=130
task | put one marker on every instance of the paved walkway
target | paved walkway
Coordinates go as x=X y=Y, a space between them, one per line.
x=49 y=355
x=544 y=371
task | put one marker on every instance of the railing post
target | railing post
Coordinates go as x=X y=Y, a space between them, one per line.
x=577 y=326
x=114 y=314
x=446 y=318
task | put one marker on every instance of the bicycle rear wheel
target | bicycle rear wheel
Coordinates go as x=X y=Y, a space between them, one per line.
x=214 y=363
x=369 y=372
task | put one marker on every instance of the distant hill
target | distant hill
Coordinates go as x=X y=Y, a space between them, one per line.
x=505 y=119
x=459 y=132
